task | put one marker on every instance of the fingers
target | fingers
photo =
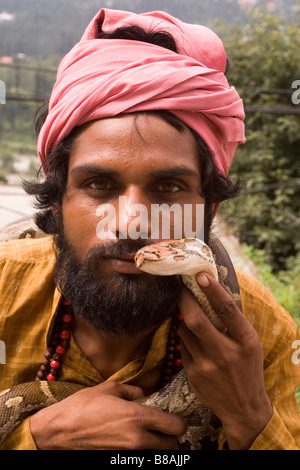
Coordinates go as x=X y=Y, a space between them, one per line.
x=236 y=325
x=117 y=389
x=163 y=422
x=224 y=306
x=158 y=441
x=196 y=325
x=162 y=428
x=130 y=392
x=193 y=315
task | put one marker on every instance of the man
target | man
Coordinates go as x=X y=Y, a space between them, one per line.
x=105 y=135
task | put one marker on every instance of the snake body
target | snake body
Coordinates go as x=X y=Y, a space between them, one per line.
x=184 y=257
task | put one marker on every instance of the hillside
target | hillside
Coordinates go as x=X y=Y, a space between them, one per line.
x=51 y=27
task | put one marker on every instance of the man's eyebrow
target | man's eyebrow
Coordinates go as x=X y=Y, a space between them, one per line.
x=173 y=172
x=95 y=170
x=164 y=173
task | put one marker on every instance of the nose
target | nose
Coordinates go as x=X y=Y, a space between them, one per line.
x=133 y=215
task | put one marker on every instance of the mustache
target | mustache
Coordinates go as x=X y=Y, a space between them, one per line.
x=114 y=249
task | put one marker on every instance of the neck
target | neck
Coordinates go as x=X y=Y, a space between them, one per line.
x=109 y=352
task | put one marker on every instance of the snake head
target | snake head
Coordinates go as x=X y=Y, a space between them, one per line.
x=173 y=257
x=152 y=253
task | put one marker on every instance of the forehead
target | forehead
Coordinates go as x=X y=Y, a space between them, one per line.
x=134 y=141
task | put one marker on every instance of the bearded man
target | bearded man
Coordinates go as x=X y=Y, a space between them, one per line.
x=141 y=109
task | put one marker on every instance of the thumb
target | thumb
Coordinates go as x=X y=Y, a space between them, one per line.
x=131 y=392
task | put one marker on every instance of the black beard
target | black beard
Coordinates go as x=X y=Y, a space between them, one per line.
x=117 y=303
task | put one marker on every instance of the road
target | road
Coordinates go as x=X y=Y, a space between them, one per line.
x=14 y=204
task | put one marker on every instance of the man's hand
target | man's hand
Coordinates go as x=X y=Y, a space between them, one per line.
x=225 y=369
x=105 y=417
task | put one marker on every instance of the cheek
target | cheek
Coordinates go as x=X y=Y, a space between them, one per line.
x=80 y=222
x=183 y=221
x=193 y=219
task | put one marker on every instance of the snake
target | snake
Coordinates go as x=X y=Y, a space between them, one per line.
x=186 y=258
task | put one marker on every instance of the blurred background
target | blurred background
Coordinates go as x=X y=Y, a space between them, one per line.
x=263 y=44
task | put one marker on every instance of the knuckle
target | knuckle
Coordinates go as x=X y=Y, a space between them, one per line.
x=136 y=414
x=227 y=361
x=136 y=441
x=109 y=385
x=227 y=309
x=251 y=341
x=180 y=426
x=196 y=323
x=193 y=376
x=198 y=371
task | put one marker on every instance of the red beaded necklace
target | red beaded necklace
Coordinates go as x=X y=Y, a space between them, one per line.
x=173 y=362
x=59 y=343
x=60 y=340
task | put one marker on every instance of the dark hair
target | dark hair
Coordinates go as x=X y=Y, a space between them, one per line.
x=49 y=193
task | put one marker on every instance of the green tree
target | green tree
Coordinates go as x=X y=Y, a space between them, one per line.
x=265 y=56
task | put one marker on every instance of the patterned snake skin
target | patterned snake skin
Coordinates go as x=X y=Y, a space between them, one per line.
x=20 y=401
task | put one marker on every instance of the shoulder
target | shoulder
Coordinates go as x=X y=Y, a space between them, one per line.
x=27 y=250
x=255 y=296
x=273 y=323
x=26 y=278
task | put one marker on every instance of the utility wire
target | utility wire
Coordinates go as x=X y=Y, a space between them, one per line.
x=271 y=187
x=268 y=91
x=249 y=109
x=29 y=68
x=25 y=97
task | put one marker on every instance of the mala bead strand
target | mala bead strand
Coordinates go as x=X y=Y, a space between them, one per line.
x=51 y=365
x=173 y=357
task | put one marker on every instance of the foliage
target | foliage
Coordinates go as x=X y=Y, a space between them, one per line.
x=265 y=54
x=284 y=285
x=17 y=133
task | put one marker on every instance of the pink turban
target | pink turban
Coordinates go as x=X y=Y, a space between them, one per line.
x=101 y=78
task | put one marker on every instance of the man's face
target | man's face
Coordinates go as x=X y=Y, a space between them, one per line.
x=151 y=163
x=146 y=161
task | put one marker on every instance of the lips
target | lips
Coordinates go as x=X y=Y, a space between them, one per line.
x=123 y=257
x=124 y=263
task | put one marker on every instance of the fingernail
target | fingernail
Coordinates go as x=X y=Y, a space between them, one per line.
x=202 y=280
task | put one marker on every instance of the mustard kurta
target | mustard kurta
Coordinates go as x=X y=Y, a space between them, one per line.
x=28 y=303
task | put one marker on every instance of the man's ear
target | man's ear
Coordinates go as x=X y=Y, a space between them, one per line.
x=54 y=211
x=215 y=208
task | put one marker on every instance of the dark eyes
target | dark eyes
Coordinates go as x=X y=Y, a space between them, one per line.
x=160 y=187
x=100 y=185
x=167 y=188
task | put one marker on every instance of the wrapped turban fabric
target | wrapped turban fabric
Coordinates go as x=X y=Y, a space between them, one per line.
x=102 y=78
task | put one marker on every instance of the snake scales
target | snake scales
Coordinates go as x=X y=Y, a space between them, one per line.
x=184 y=257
